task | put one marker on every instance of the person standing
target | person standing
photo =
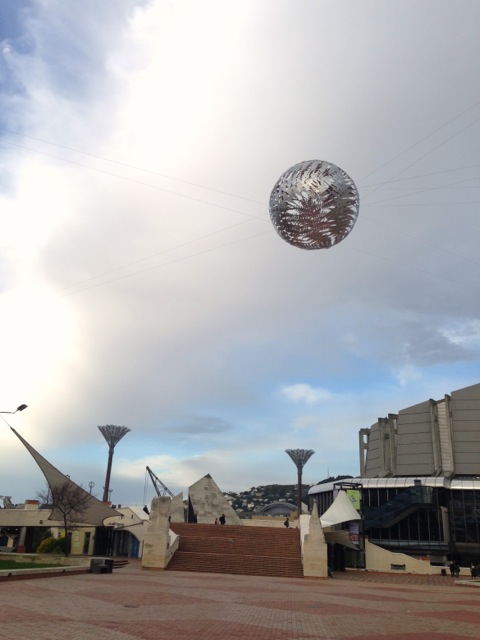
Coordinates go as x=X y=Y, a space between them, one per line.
x=222 y=519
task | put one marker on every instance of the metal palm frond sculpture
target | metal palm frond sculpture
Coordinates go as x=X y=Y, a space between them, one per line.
x=314 y=205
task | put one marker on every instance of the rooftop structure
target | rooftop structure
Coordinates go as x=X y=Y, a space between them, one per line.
x=432 y=438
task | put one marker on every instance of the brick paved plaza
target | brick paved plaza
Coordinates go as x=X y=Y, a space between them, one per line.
x=133 y=603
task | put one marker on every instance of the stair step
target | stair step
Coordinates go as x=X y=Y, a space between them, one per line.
x=267 y=551
x=252 y=565
x=118 y=563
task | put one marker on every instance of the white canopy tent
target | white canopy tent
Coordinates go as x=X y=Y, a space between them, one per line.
x=341 y=510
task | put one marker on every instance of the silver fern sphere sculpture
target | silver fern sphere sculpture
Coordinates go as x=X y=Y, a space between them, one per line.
x=314 y=205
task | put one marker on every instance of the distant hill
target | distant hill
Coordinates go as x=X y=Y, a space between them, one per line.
x=255 y=498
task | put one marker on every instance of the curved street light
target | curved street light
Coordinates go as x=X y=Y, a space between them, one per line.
x=19 y=408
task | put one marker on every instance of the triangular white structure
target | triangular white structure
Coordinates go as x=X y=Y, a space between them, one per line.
x=96 y=511
x=341 y=510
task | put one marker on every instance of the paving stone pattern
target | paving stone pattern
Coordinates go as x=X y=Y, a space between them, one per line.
x=134 y=603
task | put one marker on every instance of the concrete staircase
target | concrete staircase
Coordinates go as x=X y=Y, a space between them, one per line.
x=118 y=563
x=259 y=551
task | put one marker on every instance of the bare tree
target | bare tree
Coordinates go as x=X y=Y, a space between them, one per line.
x=69 y=503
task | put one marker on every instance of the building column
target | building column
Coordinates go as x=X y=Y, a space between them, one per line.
x=21 y=540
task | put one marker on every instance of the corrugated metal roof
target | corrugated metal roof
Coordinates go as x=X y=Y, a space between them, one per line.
x=403 y=482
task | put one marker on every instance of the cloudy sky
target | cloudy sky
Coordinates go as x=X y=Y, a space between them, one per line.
x=141 y=280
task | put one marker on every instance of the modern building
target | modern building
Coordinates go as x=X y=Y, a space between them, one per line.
x=419 y=484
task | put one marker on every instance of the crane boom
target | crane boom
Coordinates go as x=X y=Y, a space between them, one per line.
x=160 y=488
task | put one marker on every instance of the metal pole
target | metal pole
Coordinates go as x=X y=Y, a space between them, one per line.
x=109 y=471
x=299 y=492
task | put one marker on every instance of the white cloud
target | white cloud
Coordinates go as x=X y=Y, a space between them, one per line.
x=142 y=282
x=407 y=374
x=466 y=335
x=302 y=392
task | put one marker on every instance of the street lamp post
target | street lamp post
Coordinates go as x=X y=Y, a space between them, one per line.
x=23 y=530
x=300 y=457
x=112 y=434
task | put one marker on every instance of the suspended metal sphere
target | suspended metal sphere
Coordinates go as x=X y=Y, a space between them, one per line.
x=314 y=205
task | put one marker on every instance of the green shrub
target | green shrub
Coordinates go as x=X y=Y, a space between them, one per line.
x=48 y=545
x=63 y=545
x=39 y=534
x=54 y=545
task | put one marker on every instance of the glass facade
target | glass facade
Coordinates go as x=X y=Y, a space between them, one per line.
x=439 y=522
x=403 y=519
x=464 y=517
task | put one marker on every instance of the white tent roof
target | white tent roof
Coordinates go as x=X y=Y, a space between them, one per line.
x=341 y=510
x=95 y=512
x=342 y=536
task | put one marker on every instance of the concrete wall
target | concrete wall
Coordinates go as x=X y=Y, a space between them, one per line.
x=373 y=463
x=160 y=543
x=177 y=509
x=269 y=521
x=47 y=558
x=78 y=541
x=314 y=547
x=465 y=410
x=430 y=438
x=415 y=441
x=208 y=502
x=381 y=560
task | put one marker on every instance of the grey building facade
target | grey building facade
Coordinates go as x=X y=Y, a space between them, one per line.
x=420 y=480
x=433 y=438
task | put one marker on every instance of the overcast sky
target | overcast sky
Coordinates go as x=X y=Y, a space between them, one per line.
x=141 y=280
